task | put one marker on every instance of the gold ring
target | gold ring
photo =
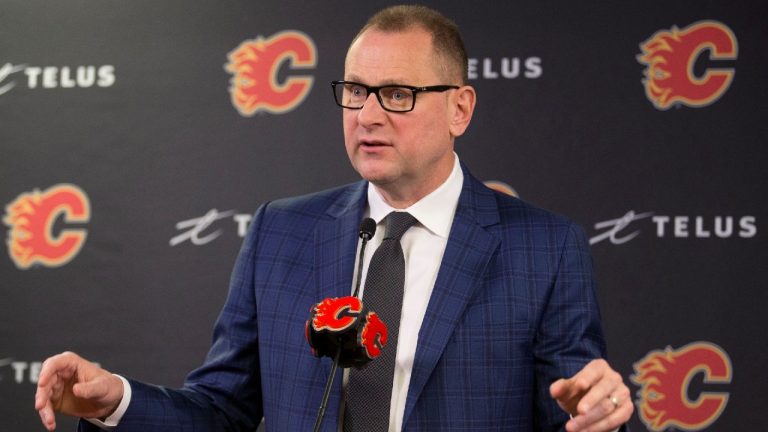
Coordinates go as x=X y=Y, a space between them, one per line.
x=614 y=400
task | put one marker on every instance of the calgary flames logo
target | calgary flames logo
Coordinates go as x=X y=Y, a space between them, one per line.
x=336 y=314
x=670 y=57
x=31 y=218
x=255 y=65
x=374 y=336
x=665 y=377
x=345 y=323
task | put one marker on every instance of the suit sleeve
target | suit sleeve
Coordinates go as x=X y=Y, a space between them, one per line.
x=225 y=393
x=569 y=334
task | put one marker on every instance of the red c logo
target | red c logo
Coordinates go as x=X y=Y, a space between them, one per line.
x=374 y=336
x=31 y=217
x=670 y=55
x=336 y=314
x=664 y=377
x=255 y=64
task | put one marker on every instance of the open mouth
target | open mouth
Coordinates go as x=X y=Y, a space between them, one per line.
x=372 y=144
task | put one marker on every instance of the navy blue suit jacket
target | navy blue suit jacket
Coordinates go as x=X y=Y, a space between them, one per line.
x=513 y=309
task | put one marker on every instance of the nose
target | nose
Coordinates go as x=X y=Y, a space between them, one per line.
x=372 y=112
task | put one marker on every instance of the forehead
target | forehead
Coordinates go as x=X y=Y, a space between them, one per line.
x=378 y=58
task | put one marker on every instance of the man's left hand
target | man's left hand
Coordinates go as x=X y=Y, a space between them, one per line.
x=596 y=398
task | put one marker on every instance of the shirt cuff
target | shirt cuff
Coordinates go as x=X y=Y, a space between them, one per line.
x=112 y=421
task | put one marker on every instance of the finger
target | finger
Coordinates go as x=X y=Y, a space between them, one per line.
x=56 y=368
x=569 y=391
x=97 y=388
x=47 y=371
x=608 y=385
x=47 y=417
x=46 y=390
x=583 y=380
x=42 y=395
x=599 y=411
x=606 y=409
x=610 y=422
x=563 y=393
x=558 y=388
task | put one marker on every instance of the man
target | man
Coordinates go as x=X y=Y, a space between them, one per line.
x=499 y=303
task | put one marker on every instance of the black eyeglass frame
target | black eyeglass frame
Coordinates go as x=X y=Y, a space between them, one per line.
x=375 y=90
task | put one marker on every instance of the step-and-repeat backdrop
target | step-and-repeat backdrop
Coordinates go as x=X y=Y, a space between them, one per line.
x=137 y=138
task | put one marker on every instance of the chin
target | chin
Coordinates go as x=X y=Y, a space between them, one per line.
x=374 y=178
x=373 y=171
x=377 y=178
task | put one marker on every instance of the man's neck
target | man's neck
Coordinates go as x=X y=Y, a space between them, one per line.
x=401 y=196
x=401 y=199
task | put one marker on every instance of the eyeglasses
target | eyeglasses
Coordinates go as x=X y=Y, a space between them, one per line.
x=394 y=98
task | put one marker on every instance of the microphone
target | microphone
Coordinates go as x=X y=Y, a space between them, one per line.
x=367 y=230
x=344 y=329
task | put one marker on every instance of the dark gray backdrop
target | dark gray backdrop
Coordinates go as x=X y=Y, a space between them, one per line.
x=163 y=143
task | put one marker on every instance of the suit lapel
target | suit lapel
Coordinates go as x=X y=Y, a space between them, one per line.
x=335 y=243
x=459 y=277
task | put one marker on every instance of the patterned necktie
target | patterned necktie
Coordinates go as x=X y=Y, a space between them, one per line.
x=369 y=391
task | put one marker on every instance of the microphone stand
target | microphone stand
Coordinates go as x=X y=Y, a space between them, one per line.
x=365 y=235
x=327 y=392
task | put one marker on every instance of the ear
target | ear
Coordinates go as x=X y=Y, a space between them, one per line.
x=463 y=104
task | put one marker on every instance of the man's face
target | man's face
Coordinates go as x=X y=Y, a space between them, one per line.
x=407 y=155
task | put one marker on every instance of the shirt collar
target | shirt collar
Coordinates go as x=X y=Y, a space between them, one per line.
x=435 y=211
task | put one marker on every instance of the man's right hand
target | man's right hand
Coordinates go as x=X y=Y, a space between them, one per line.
x=74 y=386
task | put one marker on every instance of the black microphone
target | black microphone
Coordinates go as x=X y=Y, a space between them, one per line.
x=340 y=322
x=367 y=230
x=344 y=329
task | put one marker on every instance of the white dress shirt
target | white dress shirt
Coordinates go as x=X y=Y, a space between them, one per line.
x=423 y=246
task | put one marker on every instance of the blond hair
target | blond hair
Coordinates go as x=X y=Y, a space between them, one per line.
x=446 y=39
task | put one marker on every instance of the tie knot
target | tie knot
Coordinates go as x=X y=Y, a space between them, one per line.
x=398 y=223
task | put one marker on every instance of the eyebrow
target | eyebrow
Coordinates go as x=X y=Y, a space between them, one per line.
x=389 y=82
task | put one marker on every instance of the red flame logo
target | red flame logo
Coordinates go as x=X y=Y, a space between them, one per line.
x=670 y=56
x=665 y=376
x=31 y=217
x=255 y=64
x=374 y=336
x=336 y=314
